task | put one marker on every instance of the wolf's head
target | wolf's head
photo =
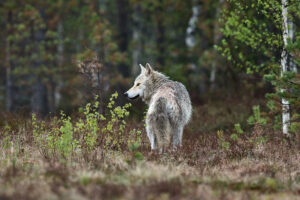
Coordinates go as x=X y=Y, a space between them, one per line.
x=139 y=86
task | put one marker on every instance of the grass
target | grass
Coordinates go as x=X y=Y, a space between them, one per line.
x=201 y=169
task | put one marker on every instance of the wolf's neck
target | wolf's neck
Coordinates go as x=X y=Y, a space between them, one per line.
x=153 y=86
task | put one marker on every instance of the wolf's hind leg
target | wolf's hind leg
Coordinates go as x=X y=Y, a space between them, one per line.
x=162 y=132
x=150 y=133
x=177 y=136
x=163 y=126
x=160 y=125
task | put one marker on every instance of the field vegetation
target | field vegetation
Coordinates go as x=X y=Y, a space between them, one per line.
x=66 y=132
x=95 y=156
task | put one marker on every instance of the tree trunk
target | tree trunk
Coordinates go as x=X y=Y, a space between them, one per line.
x=217 y=37
x=9 y=83
x=79 y=38
x=39 y=98
x=122 y=6
x=136 y=49
x=292 y=63
x=190 y=39
x=160 y=39
x=54 y=90
x=9 y=92
x=288 y=33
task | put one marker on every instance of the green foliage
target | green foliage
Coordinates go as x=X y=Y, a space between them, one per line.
x=38 y=128
x=66 y=137
x=252 y=26
x=234 y=137
x=256 y=118
x=134 y=140
x=59 y=141
x=90 y=125
x=65 y=143
x=223 y=144
x=138 y=156
x=238 y=129
x=288 y=82
x=115 y=126
x=6 y=141
x=261 y=140
x=253 y=42
x=295 y=126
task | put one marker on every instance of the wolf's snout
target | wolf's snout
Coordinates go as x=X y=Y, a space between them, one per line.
x=126 y=94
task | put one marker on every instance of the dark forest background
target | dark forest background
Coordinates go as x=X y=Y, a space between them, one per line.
x=43 y=41
x=66 y=134
x=218 y=49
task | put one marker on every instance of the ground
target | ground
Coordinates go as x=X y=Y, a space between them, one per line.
x=204 y=168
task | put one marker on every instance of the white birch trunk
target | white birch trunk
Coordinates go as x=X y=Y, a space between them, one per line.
x=291 y=32
x=288 y=33
x=136 y=51
x=60 y=60
x=190 y=38
x=217 y=36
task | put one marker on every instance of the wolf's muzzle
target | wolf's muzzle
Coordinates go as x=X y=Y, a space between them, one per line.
x=134 y=97
x=126 y=95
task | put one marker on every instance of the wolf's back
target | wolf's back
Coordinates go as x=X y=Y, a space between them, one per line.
x=183 y=100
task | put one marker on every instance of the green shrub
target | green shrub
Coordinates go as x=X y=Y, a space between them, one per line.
x=115 y=126
x=65 y=143
x=222 y=142
x=6 y=141
x=238 y=129
x=89 y=127
x=256 y=118
x=65 y=137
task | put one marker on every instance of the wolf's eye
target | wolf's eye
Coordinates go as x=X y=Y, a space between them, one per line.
x=138 y=84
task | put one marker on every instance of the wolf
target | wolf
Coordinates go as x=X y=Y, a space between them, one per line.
x=169 y=109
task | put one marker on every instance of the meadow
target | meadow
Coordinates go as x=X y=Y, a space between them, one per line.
x=93 y=156
x=66 y=134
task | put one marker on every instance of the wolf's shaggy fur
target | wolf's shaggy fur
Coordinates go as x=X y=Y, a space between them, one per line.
x=169 y=107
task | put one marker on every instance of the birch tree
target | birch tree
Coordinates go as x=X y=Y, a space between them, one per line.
x=190 y=37
x=216 y=39
x=286 y=62
x=190 y=40
x=60 y=60
x=137 y=48
x=259 y=38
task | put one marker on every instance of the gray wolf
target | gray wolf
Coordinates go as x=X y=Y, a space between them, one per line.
x=169 y=109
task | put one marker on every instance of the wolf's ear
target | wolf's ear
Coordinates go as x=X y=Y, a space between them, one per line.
x=149 y=69
x=143 y=69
